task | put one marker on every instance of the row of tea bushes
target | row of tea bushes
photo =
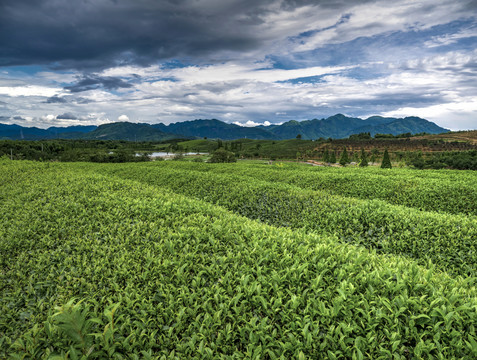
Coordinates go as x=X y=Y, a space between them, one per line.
x=451 y=191
x=449 y=241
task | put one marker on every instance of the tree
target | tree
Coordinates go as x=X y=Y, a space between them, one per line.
x=364 y=159
x=344 y=158
x=333 y=157
x=360 y=136
x=298 y=136
x=386 y=164
x=374 y=154
x=417 y=160
x=326 y=156
x=178 y=157
x=222 y=156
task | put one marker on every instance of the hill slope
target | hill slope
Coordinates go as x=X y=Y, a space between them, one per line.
x=340 y=126
x=455 y=136
x=70 y=129
x=214 y=128
x=17 y=132
x=127 y=131
x=337 y=126
x=400 y=126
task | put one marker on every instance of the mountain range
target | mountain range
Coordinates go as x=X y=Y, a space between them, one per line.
x=337 y=127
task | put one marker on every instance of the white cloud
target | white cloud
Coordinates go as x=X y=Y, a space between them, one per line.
x=48 y=118
x=30 y=90
x=253 y=71
x=370 y=19
x=449 y=39
x=453 y=116
x=45 y=121
x=248 y=94
x=57 y=78
x=250 y=123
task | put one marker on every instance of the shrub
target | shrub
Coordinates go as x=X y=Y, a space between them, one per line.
x=222 y=156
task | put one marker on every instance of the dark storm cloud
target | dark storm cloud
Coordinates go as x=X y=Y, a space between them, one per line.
x=331 y=4
x=102 y=33
x=96 y=34
x=4 y=118
x=471 y=5
x=56 y=100
x=67 y=116
x=91 y=82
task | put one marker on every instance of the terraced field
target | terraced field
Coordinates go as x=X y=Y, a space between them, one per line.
x=186 y=260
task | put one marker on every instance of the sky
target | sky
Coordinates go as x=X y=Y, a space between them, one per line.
x=249 y=62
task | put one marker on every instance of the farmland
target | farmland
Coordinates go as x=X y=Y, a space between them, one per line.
x=164 y=260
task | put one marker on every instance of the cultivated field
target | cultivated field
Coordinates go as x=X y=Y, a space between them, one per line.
x=236 y=261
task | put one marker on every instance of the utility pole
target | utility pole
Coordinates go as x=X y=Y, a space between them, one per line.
x=11 y=154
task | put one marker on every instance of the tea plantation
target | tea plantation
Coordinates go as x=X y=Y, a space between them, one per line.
x=182 y=260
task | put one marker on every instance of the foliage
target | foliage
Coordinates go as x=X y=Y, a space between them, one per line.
x=178 y=157
x=444 y=191
x=386 y=163
x=447 y=241
x=94 y=266
x=222 y=156
x=465 y=160
x=326 y=156
x=399 y=136
x=438 y=153
x=363 y=161
x=344 y=159
x=265 y=149
x=360 y=136
x=374 y=154
x=75 y=150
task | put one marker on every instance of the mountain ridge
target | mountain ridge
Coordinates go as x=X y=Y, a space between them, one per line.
x=337 y=126
x=128 y=131
x=213 y=128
